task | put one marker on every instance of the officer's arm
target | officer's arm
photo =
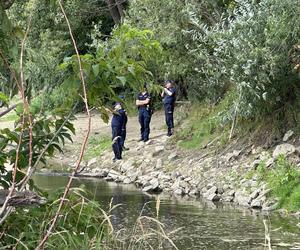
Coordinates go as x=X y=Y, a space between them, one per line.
x=139 y=102
x=168 y=92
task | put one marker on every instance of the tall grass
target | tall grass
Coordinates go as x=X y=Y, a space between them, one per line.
x=284 y=181
x=84 y=225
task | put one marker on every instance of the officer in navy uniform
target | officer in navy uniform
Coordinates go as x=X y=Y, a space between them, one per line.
x=123 y=131
x=117 y=124
x=169 y=98
x=143 y=103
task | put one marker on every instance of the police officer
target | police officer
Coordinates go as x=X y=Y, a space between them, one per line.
x=169 y=98
x=143 y=103
x=117 y=124
x=123 y=131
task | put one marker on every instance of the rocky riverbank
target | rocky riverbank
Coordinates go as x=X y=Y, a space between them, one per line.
x=227 y=176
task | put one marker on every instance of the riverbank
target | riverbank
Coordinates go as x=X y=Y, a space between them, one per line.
x=236 y=173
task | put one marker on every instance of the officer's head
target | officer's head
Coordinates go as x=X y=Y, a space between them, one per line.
x=168 y=84
x=118 y=106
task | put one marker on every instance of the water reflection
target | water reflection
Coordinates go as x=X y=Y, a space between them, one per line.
x=204 y=225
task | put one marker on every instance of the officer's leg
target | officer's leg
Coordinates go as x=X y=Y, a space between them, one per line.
x=172 y=117
x=169 y=118
x=115 y=142
x=123 y=137
x=147 y=121
x=141 y=120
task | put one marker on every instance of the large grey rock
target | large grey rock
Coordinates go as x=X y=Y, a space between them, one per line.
x=173 y=156
x=213 y=197
x=242 y=199
x=254 y=194
x=288 y=135
x=178 y=191
x=158 y=150
x=257 y=203
x=127 y=166
x=210 y=193
x=284 y=149
x=127 y=180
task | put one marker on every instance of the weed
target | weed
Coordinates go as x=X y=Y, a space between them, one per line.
x=284 y=181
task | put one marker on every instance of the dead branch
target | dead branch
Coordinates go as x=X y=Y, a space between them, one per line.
x=63 y=198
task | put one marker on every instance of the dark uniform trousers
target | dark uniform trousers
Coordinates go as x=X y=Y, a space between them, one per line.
x=169 y=110
x=123 y=137
x=116 y=137
x=144 y=119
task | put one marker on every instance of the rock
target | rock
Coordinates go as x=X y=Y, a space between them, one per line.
x=194 y=192
x=254 y=194
x=127 y=166
x=92 y=162
x=150 y=142
x=270 y=162
x=242 y=199
x=233 y=155
x=159 y=164
x=288 y=135
x=158 y=150
x=213 y=197
x=283 y=149
x=127 y=180
x=178 y=191
x=154 y=183
x=209 y=194
x=269 y=206
x=173 y=156
x=257 y=204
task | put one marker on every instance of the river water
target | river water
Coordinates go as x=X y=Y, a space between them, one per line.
x=203 y=225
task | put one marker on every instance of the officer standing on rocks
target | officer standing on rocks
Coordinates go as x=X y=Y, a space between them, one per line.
x=169 y=98
x=117 y=123
x=143 y=102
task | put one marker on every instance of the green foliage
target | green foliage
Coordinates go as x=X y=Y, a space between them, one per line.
x=82 y=224
x=96 y=146
x=284 y=181
x=44 y=129
x=121 y=64
x=205 y=123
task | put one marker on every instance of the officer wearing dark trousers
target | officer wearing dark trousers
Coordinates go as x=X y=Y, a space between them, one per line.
x=123 y=131
x=117 y=124
x=144 y=106
x=169 y=98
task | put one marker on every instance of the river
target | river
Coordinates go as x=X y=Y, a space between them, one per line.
x=203 y=225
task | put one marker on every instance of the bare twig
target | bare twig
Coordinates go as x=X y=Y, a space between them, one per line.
x=8 y=110
x=63 y=198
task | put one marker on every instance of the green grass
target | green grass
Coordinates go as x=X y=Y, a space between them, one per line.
x=205 y=123
x=284 y=181
x=96 y=146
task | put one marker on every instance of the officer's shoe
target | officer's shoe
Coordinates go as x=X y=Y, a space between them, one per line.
x=116 y=159
x=140 y=140
x=125 y=149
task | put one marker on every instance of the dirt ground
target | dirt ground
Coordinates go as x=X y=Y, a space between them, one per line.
x=98 y=129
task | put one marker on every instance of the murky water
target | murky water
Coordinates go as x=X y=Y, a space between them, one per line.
x=203 y=225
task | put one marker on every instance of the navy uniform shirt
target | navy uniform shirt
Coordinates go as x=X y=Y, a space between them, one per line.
x=143 y=97
x=119 y=118
x=170 y=99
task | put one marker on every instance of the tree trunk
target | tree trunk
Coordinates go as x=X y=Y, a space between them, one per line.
x=120 y=8
x=114 y=11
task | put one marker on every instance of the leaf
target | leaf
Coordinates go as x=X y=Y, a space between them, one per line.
x=122 y=79
x=3 y=98
x=96 y=69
